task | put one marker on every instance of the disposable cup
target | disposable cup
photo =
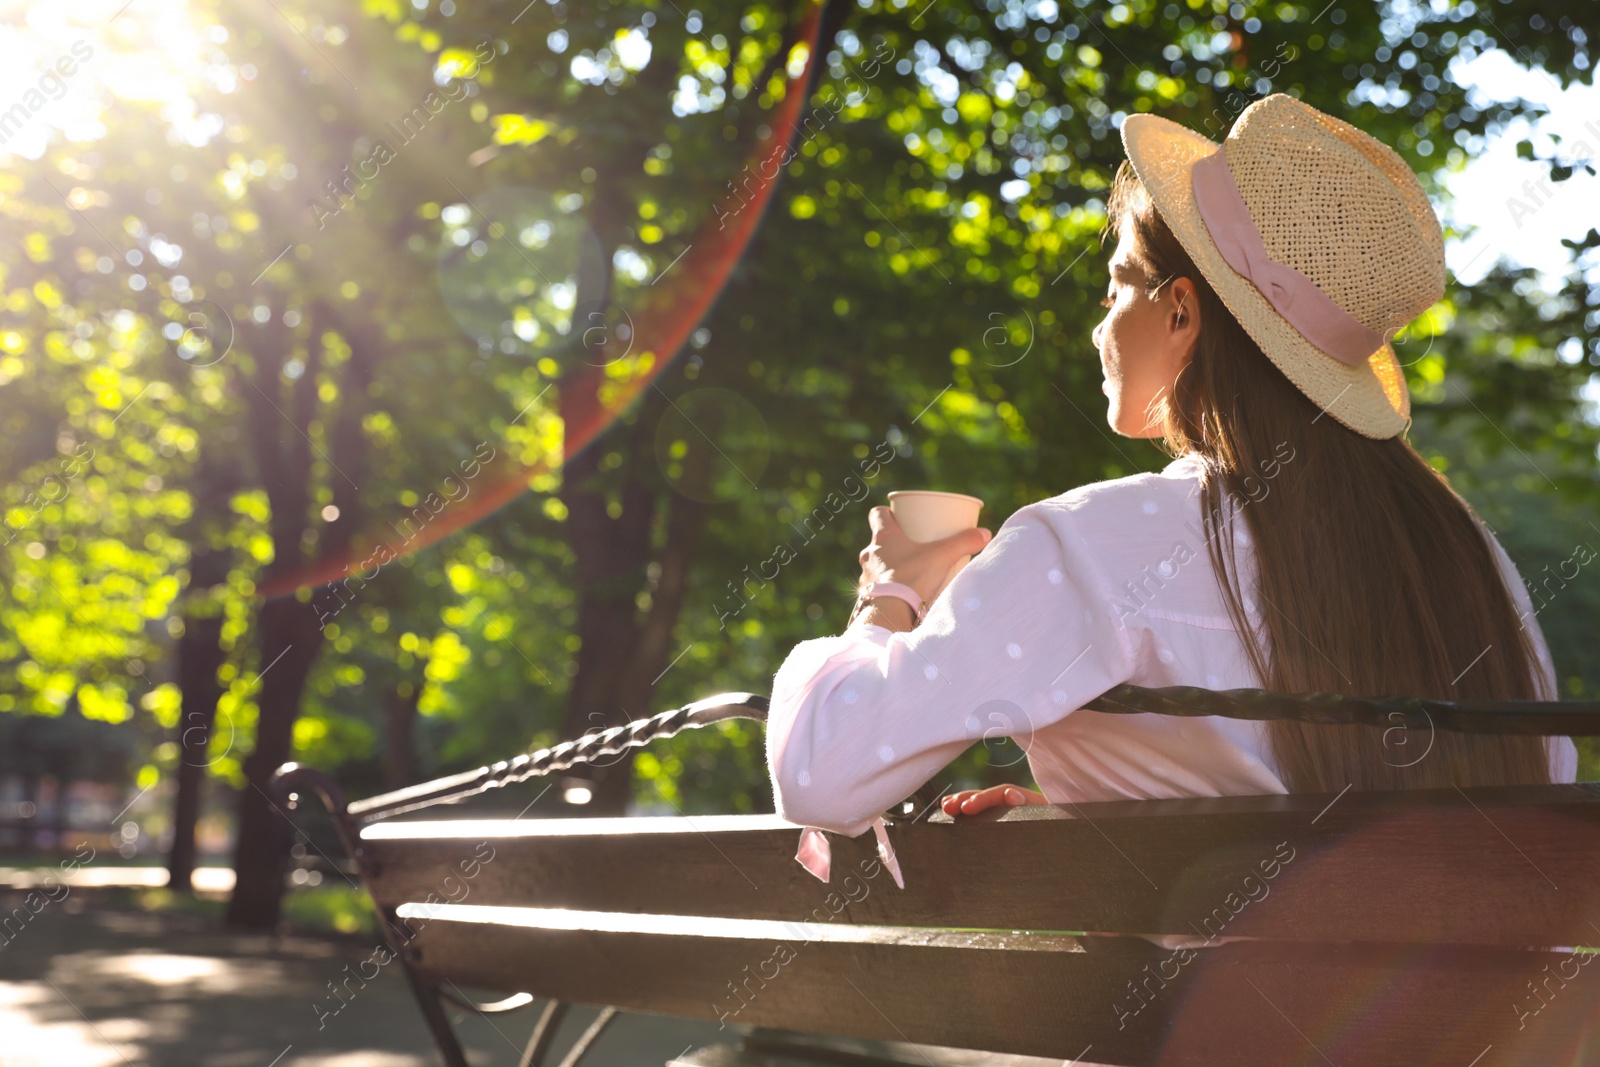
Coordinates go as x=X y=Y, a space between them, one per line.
x=931 y=515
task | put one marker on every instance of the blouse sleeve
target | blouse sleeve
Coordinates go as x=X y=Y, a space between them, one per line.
x=1021 y=638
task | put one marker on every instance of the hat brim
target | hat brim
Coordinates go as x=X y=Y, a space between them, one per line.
x=1370 y=398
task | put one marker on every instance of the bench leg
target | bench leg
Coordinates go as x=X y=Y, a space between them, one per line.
x=285 y=782
x=581 y=1047
x=544 y=1032
x=444 y=1034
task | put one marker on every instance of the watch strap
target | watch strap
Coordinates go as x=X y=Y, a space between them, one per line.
x=899 y=591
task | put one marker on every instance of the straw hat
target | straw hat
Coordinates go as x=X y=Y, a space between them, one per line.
x=1317 y=237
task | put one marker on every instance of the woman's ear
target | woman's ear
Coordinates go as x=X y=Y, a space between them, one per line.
x=1183 y=315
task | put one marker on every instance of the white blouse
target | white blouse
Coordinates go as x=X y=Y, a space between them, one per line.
x=1108 y=583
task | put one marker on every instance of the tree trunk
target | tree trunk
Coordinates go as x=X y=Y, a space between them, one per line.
x=653 y=651
x=200 y=657
x=289 y=628
x=290 y=640
x=200 y=653
x=399 y=765
x=283 y=459
x=624 y=650
x=32 y=793
x=612 y=557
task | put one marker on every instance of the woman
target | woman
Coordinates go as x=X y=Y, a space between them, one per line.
x=1254 y=289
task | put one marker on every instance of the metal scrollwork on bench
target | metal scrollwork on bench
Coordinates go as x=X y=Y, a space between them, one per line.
x=567 y=754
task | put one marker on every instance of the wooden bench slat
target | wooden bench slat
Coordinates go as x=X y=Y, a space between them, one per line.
x=626 y=826
x=1300 y=868
x=613 y=922
x=1390 y=1006
x=780 y=1048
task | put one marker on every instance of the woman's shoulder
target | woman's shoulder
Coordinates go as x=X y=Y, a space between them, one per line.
x=1147 y=537
x=1132 y=505
x=1180 y=477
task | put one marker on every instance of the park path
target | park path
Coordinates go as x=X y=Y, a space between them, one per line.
x=86 y=986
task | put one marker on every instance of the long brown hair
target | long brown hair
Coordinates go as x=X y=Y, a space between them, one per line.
x=1373 y=577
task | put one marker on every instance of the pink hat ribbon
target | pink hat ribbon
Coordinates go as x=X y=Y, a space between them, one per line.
x=1296 y=297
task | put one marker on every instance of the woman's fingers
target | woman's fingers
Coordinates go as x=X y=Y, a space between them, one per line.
x=983 y=799
x=952 y=803
x=967 y=542
x=881 y=518
x=973 y=801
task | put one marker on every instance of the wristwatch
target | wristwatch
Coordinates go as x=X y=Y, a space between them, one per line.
x=899 y=591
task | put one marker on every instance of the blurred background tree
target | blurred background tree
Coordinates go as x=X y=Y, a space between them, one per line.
x=302 y=356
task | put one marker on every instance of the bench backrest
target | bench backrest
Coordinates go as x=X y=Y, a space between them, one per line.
x=1403 y=928
x=1399 y=923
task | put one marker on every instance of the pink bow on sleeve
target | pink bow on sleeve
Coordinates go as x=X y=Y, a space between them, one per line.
x=816 y=856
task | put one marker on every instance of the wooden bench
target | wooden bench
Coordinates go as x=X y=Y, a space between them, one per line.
x=1398 y=928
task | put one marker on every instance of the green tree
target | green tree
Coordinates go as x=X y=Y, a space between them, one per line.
x=540 y=242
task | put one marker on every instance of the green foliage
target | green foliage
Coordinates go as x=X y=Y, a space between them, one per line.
x=332 y=908
x=917 y=304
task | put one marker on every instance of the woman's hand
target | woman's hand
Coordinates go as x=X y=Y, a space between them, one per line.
x=894 y=557
x=972 y=801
